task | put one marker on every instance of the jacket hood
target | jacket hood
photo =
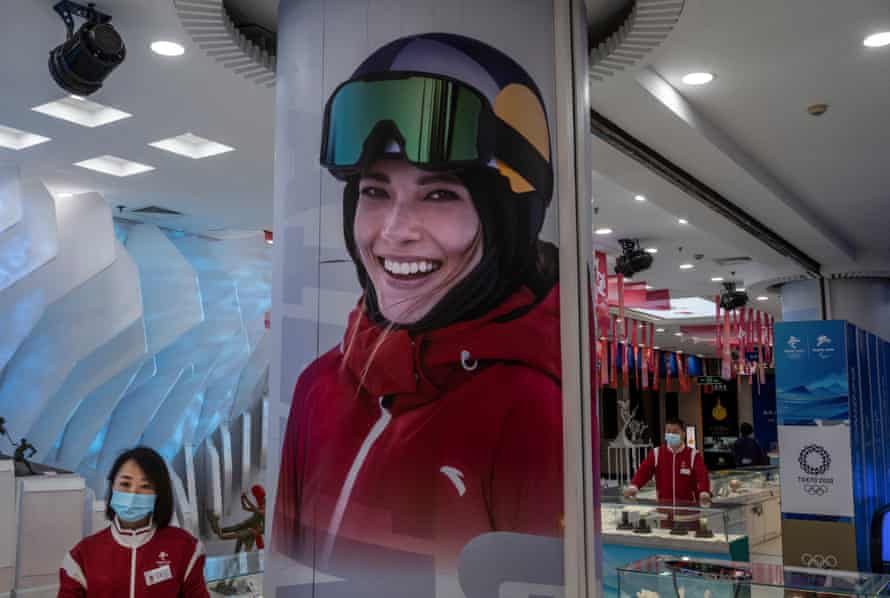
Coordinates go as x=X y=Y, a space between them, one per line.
x=416 y=369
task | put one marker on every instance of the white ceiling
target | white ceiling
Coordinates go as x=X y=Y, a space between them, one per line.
x=167 y=97
x=819 y=182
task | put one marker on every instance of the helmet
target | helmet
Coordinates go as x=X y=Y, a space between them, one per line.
x=453 y=103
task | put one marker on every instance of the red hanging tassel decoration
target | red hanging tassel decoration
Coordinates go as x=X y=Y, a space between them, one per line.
x=613 y=362
x=726 y=365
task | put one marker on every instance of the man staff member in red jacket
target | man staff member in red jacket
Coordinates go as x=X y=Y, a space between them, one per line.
x=681 y=477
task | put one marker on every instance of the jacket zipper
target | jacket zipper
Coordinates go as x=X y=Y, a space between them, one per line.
x=346 y=491
x=133 y=570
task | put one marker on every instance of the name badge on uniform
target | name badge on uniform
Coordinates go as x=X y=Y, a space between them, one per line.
x=685 y=472
x=162 y=573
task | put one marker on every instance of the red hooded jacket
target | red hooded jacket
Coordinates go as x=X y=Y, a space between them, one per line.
x=680 y=478
x=422 y=443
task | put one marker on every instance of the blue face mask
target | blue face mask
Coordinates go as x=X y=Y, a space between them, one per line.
x=132 y=507
x=673 y=440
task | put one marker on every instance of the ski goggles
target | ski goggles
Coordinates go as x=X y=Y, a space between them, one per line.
x=438 y=122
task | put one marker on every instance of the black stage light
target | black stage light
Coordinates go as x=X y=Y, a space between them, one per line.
x=731 y=299
x=632 y=258
x=82 y=63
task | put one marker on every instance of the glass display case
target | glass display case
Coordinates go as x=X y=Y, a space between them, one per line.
x=238 y=575
x=634 y=530
x=735 y=483
x=672 y=577
x=757 y=490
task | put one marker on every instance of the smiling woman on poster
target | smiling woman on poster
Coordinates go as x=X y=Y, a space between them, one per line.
x=438 y=418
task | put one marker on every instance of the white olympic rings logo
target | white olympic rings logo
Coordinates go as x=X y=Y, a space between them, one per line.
x=818 y=561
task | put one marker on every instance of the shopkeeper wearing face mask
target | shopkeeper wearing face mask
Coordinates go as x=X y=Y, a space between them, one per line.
x=140 y=554
x=681 y=477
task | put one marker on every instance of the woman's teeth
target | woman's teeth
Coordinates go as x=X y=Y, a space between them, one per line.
x=408 y=268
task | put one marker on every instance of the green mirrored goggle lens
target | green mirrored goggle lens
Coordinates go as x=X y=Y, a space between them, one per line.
x=439 y=120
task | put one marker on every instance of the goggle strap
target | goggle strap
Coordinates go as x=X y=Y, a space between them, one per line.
x=519 y=154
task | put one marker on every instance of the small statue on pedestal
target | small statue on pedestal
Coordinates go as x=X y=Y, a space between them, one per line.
x=250 y=531
x=19 y=456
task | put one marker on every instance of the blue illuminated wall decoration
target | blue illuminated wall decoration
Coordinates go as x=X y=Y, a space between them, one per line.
x=117 y=333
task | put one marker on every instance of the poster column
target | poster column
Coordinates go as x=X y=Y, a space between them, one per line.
x=430 y=390
x=831 y=438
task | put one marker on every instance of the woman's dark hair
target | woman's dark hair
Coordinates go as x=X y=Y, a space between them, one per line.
x=675 y=421
x=152 y=464
x=747 y=429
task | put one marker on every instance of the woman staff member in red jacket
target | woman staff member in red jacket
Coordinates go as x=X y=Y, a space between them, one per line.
x=439 y=416
x=139 y=554
x=681 y=477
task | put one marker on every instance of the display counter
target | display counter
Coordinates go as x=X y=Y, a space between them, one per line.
x=634 y=530
x=670 y=577
x=757 y=490
x=239 y=575
x=752 y=494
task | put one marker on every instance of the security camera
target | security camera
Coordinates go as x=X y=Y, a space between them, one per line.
x=82 y=63
x=632 y=258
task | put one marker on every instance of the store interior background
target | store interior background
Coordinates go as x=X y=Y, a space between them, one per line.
x=133 y=309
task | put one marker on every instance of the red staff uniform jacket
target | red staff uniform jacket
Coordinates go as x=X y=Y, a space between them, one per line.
x=420 y=443
x=144 y=563
x=680 y=477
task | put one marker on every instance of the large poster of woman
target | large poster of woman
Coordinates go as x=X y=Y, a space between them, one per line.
x=437 y=418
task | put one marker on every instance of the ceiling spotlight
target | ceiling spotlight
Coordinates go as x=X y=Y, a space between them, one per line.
x=763 y=298
x=698 y=78
x=632 y=258
x=686 y=266
x=878 y=40
x=652 y=250
x=603 y=231
x=640 y=197
x=164 y=48
x=716 y=279
x=682 y=221
x=659 y=330
x=82 y=63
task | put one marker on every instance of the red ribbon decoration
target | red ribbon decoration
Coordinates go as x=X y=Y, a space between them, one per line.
x=719 y=339
x=613 y=378
x=625 y=371
x=656 y=368
x=726 y=365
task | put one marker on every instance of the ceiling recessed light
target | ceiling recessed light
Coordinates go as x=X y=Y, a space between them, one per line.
x=682 y=221
x=603 y=231
x=64 y=195
x=698 y=78
x=716 y=279
x=740 y=288
x=763 y=298
x=686 y=266
x=114 y=166
x=165 y=48
x=877 y=40
x=16 y=139
x=659 y=330
x=649 y=287
x=640 y=197
x=82 y=112
x=652 y=250
x=678 y=334
x=191 y=146
x=656 y=347
x=679 y=351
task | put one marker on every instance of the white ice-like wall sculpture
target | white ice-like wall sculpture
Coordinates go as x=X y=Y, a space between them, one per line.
x=118 y=335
